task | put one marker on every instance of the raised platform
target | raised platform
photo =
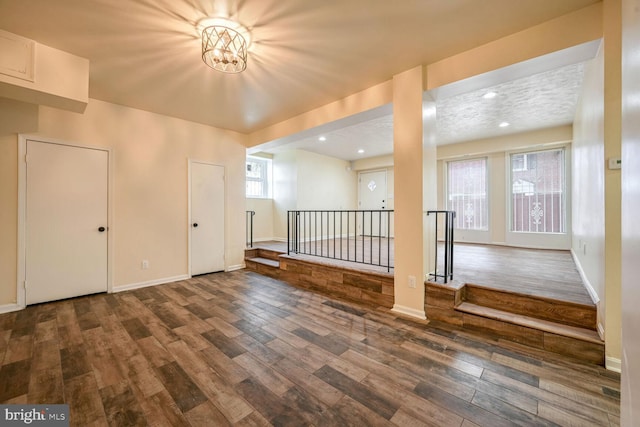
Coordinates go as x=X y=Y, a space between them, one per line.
x=349 y=283
x=561 y=327
x=557 y=326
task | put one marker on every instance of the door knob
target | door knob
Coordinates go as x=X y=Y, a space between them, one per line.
x=101 y=229
x=195 y=224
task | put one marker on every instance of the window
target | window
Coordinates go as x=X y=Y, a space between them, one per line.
x=258 y=179
x=467 y=193
x=537 y=192
x=523 y=162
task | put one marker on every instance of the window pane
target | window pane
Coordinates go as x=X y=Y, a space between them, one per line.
x=467 y=193
x=254 y=169
x=258 y=176
x=537 y=192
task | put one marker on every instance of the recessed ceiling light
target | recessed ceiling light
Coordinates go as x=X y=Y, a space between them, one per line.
x=504 y=124
x=322 y=139
x=489 y=95
x=360 y=151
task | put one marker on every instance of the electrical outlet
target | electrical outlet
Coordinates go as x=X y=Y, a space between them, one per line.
x=412 y=281
x=145 y=264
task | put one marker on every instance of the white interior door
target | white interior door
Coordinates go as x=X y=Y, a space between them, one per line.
x=66 y=221
x=207 y=218
x=372 y=193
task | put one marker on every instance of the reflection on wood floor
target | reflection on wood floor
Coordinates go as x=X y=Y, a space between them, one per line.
x=539 y=272
x=243 y=349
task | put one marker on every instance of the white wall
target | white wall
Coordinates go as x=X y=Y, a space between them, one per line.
x=285 y=190
x=630 y=411
x=325 y=182
x=150 y=156
x=263 y=218
x=308 y=181
x=588 y=181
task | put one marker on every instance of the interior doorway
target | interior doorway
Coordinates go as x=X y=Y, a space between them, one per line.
x=372 y=196
x=207 y=206
x=64 y=219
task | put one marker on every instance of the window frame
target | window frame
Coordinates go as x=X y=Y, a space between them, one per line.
x=487 y=195
x=565 y=187
x=266 y=177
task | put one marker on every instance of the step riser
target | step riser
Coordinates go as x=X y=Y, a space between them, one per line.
x=268 y=254
x=263 y=269
x=442 y=302
x=567 y=313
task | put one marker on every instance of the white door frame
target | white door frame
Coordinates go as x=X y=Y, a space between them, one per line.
x=22 y=220
x=190 y=161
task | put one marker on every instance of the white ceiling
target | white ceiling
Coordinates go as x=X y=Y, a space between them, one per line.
x=306 y=53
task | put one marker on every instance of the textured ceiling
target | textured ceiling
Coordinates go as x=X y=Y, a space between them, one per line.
x=539 y=101
x=306 y=53
x=542 y=100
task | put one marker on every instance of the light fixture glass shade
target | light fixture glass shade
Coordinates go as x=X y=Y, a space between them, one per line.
x=224 y=49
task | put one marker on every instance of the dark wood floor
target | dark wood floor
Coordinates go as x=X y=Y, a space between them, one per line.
x=242 y=349
x=538 y=272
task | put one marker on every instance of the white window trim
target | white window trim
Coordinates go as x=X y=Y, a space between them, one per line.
x=466 y=235
x=540 y=240
x=268 y=177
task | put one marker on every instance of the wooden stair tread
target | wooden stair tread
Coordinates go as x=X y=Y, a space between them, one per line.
x=582 y=334
x=563 y=312
x=265 y=261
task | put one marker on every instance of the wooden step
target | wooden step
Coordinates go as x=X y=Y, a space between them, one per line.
x=264 y=266
x=531 y=322
x=581 y=343
x=566 y=313
x=269 y=254
x=265 y=261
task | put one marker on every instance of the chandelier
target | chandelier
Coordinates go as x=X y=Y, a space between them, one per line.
x=224 y=49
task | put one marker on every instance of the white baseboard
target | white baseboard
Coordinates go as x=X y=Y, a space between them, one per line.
x=600 y=329
x=613 y=364
x=150 y=283
x=8 y=308
x=236 y=267
x=408 y=311
x=587 y=284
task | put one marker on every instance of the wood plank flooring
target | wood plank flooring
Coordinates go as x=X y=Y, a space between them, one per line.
x=539 y=272
x=243 y=349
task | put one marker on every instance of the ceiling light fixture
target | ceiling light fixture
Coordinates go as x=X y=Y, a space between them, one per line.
x=322 y=139
x=224 y=44
x=360 y=151
x=489 y=95
x=504 y=124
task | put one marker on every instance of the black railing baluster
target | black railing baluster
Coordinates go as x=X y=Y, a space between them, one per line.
x=379 y=236
x=389 y=241
x=334 y=234
x=248 y=228
x=305 y=228
x=363 y=231
x=371 y=236
x=290 y=236
x=449 y=218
